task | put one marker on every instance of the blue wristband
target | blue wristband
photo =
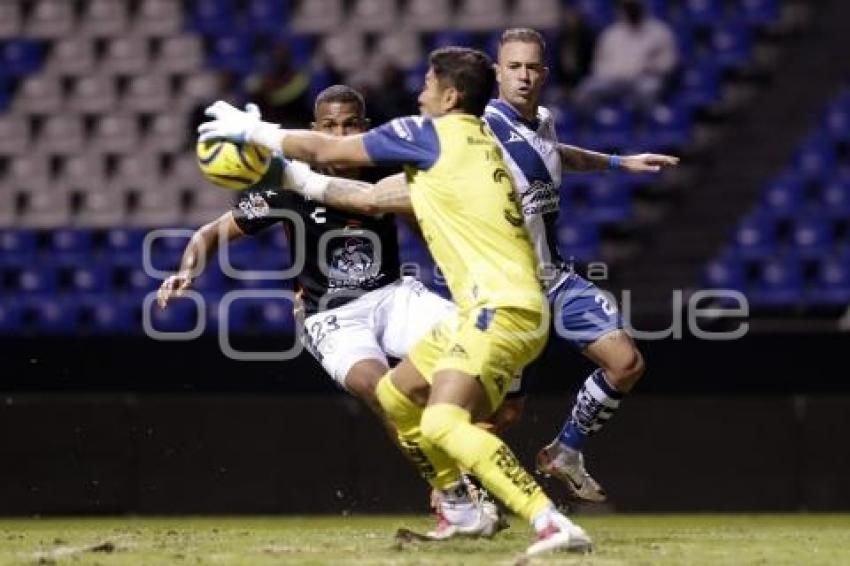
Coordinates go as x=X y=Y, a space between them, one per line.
x=615 y=162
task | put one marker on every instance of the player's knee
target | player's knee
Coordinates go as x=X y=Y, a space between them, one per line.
x=438 y=420
x=364 y=387
x=362 y=382
x=627 y=369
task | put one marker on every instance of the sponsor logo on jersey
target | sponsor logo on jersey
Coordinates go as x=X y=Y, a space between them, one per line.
x=255 y=206
x=401 y=129
x=459 y=351
x=353 y=266
x=515 y=137
x=540 y=197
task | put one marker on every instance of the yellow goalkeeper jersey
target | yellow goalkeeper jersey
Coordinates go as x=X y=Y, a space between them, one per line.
x=465 y=203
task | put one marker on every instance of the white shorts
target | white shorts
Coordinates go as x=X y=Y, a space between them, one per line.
x=383 y=323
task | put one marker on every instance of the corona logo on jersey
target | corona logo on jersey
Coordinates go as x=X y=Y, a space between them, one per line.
x=231 y=165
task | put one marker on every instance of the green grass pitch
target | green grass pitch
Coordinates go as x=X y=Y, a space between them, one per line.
x=620 y=539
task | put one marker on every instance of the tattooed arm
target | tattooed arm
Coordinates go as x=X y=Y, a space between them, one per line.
x=389 y=195
x=578 y=160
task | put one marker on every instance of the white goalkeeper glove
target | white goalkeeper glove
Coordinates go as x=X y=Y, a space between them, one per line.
x=240 y=126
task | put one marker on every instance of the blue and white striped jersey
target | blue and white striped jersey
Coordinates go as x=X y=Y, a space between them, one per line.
x=531 y=151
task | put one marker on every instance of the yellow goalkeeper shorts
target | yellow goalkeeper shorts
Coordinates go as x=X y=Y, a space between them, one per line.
x=493 y=344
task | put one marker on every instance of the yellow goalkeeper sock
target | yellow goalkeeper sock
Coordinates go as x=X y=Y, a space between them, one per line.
x=433 y=464
x=448 y=427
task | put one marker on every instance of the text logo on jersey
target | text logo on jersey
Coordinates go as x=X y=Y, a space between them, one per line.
x=539 y=197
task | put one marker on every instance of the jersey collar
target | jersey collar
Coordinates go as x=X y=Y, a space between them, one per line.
x=513 y=114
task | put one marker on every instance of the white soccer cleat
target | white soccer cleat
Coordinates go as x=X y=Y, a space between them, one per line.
x=560 y=535
x=568 y=467
x=484 y=523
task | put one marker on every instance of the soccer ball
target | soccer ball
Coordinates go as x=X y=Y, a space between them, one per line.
x=232 y=165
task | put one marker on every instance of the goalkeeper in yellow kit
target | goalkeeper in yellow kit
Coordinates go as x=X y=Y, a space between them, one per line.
x=464 y=201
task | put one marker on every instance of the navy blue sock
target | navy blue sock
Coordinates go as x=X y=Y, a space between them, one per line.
x=595 y=404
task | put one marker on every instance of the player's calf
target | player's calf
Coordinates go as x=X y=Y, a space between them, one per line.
x=621 y=366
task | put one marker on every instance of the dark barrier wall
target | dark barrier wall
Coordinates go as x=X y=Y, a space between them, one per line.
x=325 y=454
x=761 y=364
x=99 y=425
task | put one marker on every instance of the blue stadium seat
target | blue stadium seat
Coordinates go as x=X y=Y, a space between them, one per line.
x=276 y=316
x=578 y=239
x=241 y=315
x=50 y=315
x=686 y=42
x=702 y=13
x=658 y=8
x=301 y=49
x=10 y=316
x=610 y=129
x=566 y=123
x=755 y=237
x=20 y=57
x=448 y=38
x=34 y=279
x=211 y=280
x=86 y=279
x=668 y=126
x=758 y=12
x=597 y=14
x=836 y=121
x=784 y=196
x=812 y=237
x=609 y=201
x=16 y=245
x=70 y=243
x=213 y=17
x=124 y=242
x=731 y=45
x=700 y=84
x=180 y=316
x=835 y=198
x=232 y=51
x=831 y=285
x=129 y=279
x=780 y=283
x=167 y=251
x=102 y=315
x=268 y=16
x=815 y=158
x=726 y=272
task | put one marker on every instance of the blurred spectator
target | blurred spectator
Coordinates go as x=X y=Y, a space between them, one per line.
x=390 y=98
x=282 y=92
x=575 y=48
x=634 y=59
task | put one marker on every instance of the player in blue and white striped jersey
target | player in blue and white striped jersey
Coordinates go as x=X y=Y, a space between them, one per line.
x=583 y=315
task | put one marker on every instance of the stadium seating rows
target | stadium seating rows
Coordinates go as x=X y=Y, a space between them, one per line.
x=94 y=105
x=793 y=249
